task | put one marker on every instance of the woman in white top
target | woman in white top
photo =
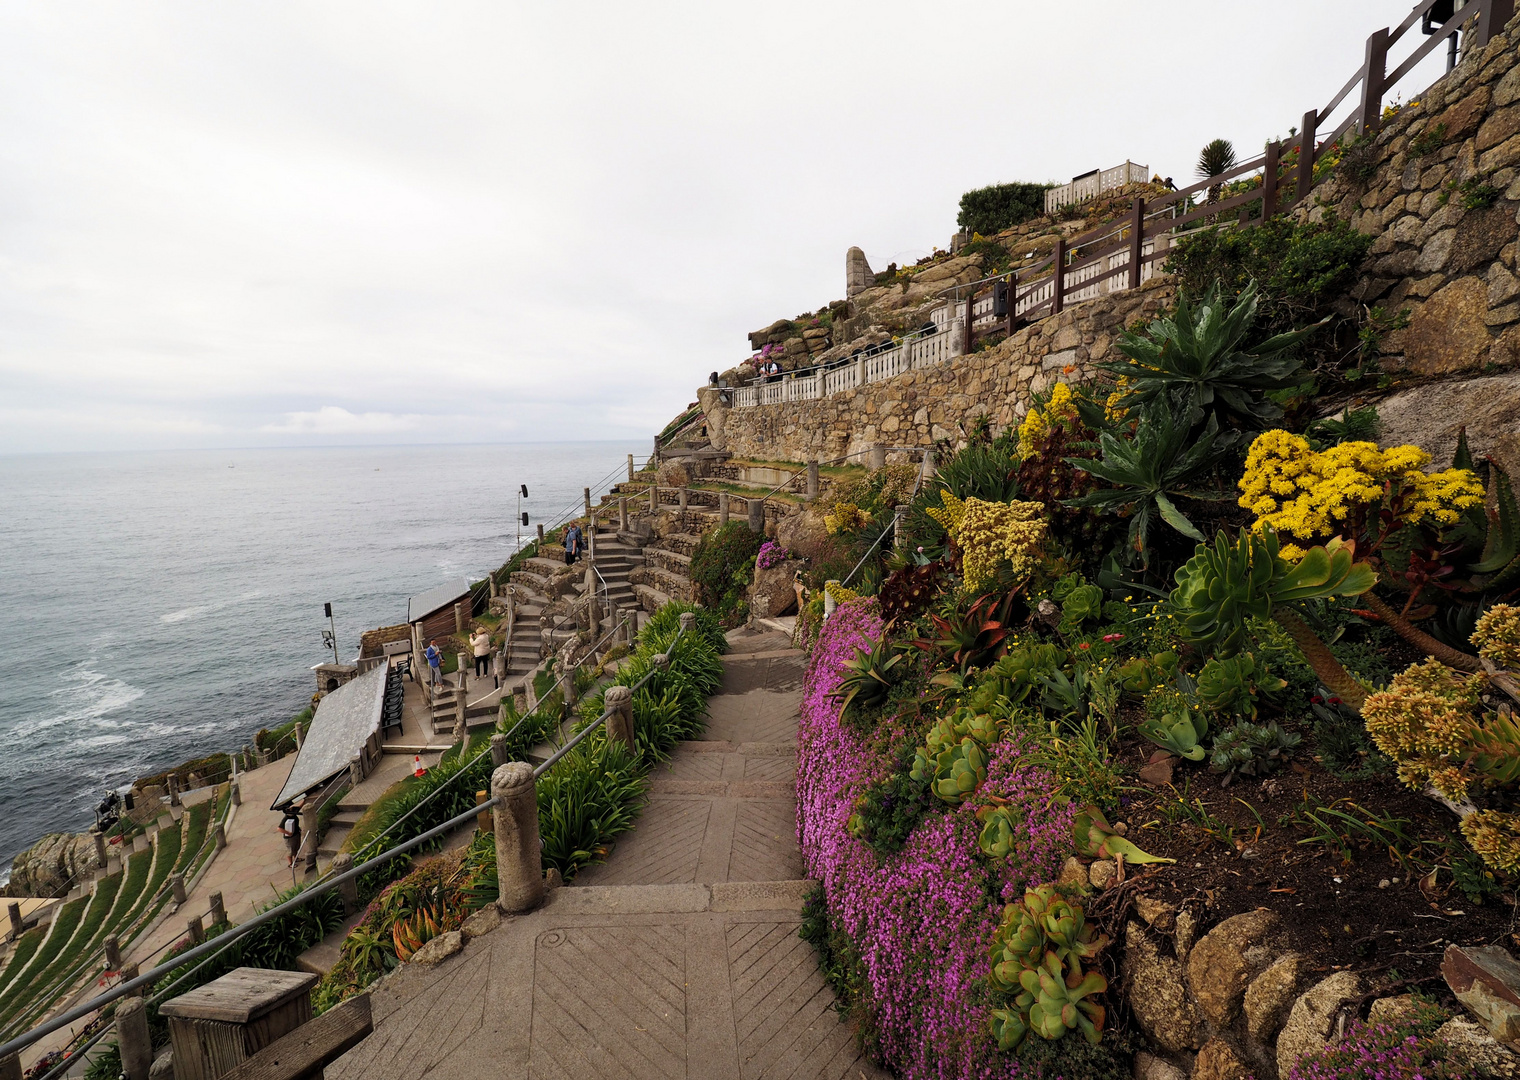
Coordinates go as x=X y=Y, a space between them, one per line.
x=482 y=644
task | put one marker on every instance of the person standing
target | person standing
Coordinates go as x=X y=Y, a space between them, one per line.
x=480 y=642
x=572 y=543
x=290 y=829
x=435 y=663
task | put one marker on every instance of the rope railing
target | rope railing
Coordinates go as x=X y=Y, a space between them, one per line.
x=208 y=950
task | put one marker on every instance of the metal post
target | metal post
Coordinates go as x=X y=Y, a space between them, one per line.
x=1305 y=158
x=630 y=468
x=1269 y=180
x=1496 y=14
x=722 y=509
x=220 y=835
x=756 y=511
x=899 y=524
x=1136 y=240
x=812 y=480
x=482 y=819
x=1374 y=73
x=1058 y=287
x=970 y=317
x=133 y=1039
x=14 y=910
x=619 y=702
x=218 y=910
x=10 y=1067
x=519 y=852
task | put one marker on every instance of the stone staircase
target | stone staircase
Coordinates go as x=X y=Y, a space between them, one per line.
x=666 y=573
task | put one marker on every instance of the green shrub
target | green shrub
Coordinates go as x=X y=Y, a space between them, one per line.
x=991 y=209
x=723 y=566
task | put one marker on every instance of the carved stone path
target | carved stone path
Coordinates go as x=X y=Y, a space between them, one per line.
x=678 y=957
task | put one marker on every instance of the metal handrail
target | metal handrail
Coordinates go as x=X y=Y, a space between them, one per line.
x=208 y=949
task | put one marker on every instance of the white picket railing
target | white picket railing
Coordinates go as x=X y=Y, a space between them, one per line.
x=1094 y=184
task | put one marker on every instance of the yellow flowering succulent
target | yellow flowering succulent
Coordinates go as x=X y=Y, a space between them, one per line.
x=1312 y=495
x=1061 y=408
x=1495 y=836
x=1424 y=721
x=845 y=517
x=1497 y=635
x=838 y=593
x=991 y=534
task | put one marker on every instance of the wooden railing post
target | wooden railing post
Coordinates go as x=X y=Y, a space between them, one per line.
x=970 y=314
x=519 y=854
x=1136 y=240
x=1493 y=16
x=1305 y=179
x=1058 y=264
x=1269 y=180
x=1374 y=75
x=1013 y=300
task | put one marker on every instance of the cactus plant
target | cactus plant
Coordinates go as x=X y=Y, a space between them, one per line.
x=1178 y=732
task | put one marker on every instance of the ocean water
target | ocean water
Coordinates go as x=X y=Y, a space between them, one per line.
x=161 y=606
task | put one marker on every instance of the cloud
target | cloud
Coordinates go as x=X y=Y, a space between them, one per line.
x=332 y=420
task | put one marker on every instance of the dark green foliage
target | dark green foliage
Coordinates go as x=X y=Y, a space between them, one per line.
x=1197 y=361
x=1341 y=744
x=723 y=566
x=995 y=258
x=987 y=471
x=867 y=677
x=1472 y=879
x=1111 y=1059
x=1359 y=158
x=837 y=958
x=908 y=590
x=891 y=809
x=1216 y=157
x=1428 y=141
x=1352 y=425
x=664 y=623
x=1252 y=750
x=1301 y=267
x=992 y=209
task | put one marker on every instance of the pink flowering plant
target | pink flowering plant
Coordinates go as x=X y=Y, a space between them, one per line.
x=1401 y=1051
x=918 y=916
x=771 y=554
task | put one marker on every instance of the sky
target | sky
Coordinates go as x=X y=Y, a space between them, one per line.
x=269 y=224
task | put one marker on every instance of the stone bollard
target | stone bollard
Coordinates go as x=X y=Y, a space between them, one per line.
x=519 y=852
x=812 y=480
x=220 y=836
x=101 y=854
x=196 y=928
x=14 y=910
x=877 y=458
x=927 y=472
x=498 y=750
x=355 y=772
x=493 y=586
x=10 y=1067
x=300 y=734
x=756 y=516
x=630 y=468
x=520 y=699
x=342 y=863
x=540 y=535
x=899 y=524
x=133 y=1038
x=247 y=757
x=125 y=974
x=654 y=497
x=112 y=947
x=461 y=704
x=567 y=688
x=683 y=497
x=177 y=887
x=483 y=818
x=193 y=781
x=623 y=514
x=829 y=603
x=688 y=621
x=630 y=626
x=173 y=789
x=235 y=792
x=218 y=910
x=722 y=509
x=311 y=815
x=619 y=701
x=587 y=495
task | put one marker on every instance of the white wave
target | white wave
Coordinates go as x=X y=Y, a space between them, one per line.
x=88 y=697
x=207 y=609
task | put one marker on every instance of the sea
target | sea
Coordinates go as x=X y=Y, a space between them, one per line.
x=161 y=606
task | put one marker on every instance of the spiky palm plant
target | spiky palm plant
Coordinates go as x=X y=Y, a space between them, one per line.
x=1216 y=158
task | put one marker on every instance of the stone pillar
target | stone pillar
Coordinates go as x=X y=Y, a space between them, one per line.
x=310 y=817
x=482 y=819
x=459 y=617
x=100 y=847
x=722 y=509
x=173 y=789
x=812 y=480
x=756 y=516
x=928 y=470
x=519 y=852
x=878 y=457
x=220 y=836
x=133 y=1038
x=498 y=750
x=218 y=913
x=177 y=887
x=860 y=371
x=194 y=781
x=567 y=688
x=654 y=497
x=10 y=1067
x=540 y=536
x=461 y=703
x=493 y=586
x=113 y=952
x=630 y=468
x=235 y=792
x=342 y=863
x=520 y=699
x=684 y=496
x=829 y=603
x=196 y=929
x=300 y=734
x=125 y=974
x=623 y=511
x=899 y=523
x=14 y=910
x=619 y=701
x=247 y=757
x=355 y=772
x=688 y=621
x=587 y=495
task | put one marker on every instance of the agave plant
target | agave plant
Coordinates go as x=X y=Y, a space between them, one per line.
x=867 y=676
x=1194 y=361
x=1148 y=471
x=1252 y=750
x=1178 y=732
x=973 y=639
x=1225 y=585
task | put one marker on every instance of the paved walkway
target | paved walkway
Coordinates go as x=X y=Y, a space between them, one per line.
x=678 y=957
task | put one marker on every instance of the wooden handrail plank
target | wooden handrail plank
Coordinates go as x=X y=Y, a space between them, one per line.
x=1210 y=209
x=1410 y=19
x=1361 y=73
x=316 y=1043
x=1433 y=41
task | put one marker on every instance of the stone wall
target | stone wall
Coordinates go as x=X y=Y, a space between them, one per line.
x=939 y=403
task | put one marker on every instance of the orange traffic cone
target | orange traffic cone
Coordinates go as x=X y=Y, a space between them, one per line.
x=417 y=767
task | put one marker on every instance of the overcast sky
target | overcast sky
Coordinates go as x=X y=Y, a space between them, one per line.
x=238 y=224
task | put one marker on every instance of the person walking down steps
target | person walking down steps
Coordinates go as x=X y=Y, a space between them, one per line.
x=481 y=643
x=290 y=829
x=572 y=543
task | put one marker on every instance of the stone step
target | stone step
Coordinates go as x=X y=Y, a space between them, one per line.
x=650 y=598
x=332 y=840
x=533 y=580
x=348 y=818
x=676 y=585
